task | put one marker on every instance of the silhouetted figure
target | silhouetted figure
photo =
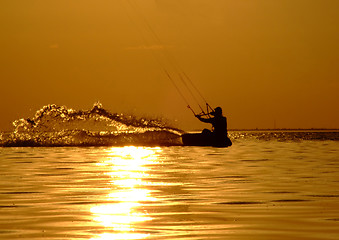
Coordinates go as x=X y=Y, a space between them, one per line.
x=218 y=135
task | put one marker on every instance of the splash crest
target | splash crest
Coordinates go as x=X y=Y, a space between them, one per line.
x=55 y=125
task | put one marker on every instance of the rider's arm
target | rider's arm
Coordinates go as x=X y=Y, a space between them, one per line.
x=205 y=120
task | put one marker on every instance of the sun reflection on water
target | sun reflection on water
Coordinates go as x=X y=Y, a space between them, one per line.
x=128 y=167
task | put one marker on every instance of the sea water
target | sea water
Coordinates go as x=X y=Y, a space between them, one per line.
x=68 y=174
x=262 y=187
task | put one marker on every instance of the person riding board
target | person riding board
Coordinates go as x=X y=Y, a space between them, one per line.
x=219 y=127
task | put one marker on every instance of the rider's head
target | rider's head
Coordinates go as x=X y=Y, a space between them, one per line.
x=217 y=111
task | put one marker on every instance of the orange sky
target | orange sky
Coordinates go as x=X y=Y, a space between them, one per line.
x=262 y=61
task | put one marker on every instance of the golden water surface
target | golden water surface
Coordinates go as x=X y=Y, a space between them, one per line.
x=253 y=190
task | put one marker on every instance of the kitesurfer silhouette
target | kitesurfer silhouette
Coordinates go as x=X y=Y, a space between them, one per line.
x=219 y=134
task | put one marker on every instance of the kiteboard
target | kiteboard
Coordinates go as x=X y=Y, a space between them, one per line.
x=203 y=139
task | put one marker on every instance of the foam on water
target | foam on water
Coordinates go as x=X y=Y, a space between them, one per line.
x=55 y=125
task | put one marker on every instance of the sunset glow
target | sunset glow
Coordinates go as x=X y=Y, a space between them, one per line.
x=267 y=63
